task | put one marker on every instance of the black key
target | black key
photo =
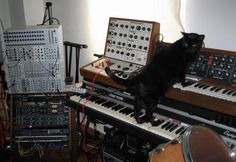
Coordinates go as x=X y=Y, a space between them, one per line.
x=122 y=110
x=173 y=128
x=94 y=98
x=110 y=104
x=201 y=86
x=205 y=87
x=230 y=92
x=198 y=84
x=213 y=88
x=117 y=107
x=179 y=130
x=107 y=104
x=165 y=125
x=101 y=101
x=217 y=89
x=183 y=131
x=169 y=126
x=126 y=111
x=234 y=94
x=226 y=90
x=158 y=122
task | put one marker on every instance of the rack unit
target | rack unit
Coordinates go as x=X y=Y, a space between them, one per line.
x=34 y=59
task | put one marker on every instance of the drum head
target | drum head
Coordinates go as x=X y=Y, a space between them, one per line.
x=201 y=144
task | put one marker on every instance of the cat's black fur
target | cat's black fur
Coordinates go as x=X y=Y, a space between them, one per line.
x=167 y=67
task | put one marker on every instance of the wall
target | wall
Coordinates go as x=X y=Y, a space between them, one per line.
x=16 y=13
x=16 y=10
x=73 y=15
x=215 y=19
x=33 y=11
x=4 y=13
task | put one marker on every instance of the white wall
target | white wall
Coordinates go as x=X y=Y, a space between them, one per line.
x=33 y=11
x=214 y=18
x=4 y=13
x=15 y=13
x=16 y=10
x=73 y=15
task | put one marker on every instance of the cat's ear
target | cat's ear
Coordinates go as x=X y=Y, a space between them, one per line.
x=201 y=37
x=184 y=34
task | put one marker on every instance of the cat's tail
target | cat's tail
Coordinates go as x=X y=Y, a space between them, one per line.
x=111 y=74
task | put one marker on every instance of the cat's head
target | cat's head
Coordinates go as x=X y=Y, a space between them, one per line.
x=192 y=42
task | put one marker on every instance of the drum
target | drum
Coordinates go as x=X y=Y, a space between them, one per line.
x=197 y=144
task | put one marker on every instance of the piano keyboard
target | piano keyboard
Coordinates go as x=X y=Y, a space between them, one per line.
x=163 y=126
x=212 y=91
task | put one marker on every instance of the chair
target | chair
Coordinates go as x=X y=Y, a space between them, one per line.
x=72 y=48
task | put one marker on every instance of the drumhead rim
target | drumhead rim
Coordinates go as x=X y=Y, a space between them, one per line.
x=186 y=147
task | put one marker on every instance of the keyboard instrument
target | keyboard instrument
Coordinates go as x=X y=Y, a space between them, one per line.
x=164 y=127
x=213 y=96
x=209 y=90
x=171 y=120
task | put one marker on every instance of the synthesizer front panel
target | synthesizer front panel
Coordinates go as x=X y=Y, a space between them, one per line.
x=129 y=46
x=214 y=64
x=41 y=120
x=131 y=40
x=34 y=59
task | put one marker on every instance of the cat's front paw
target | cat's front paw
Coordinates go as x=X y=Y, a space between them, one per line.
x=139 y=121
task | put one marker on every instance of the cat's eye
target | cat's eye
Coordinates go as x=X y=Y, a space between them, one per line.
x=194 y=45
x=185 y=44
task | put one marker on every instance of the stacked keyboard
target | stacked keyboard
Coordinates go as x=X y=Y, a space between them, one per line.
x=162 y=126
x=209 y=90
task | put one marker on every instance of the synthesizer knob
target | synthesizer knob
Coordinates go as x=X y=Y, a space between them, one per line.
x=112 y=24
x=109 y=41
x=138 y=27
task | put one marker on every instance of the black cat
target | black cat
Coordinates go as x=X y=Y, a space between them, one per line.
x=167 y=67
